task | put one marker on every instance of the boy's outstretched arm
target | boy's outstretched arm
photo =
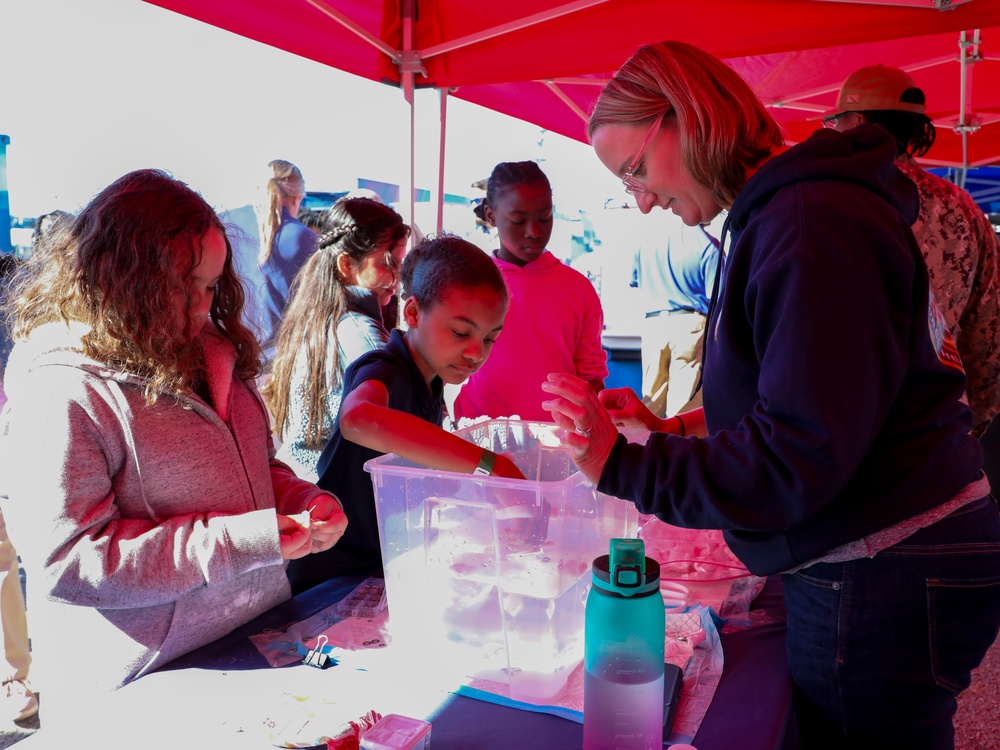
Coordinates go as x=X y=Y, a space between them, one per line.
x=366 y=419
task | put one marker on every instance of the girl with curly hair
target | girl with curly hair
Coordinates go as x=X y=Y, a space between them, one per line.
x=140 y=484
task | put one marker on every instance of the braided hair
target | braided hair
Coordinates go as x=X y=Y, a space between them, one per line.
x=506 y=175
x=317 y=300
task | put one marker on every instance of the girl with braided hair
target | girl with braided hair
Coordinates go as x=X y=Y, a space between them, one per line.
x=334 y=315
x=555 y=319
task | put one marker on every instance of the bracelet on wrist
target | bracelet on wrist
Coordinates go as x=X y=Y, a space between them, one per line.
x=486 y=462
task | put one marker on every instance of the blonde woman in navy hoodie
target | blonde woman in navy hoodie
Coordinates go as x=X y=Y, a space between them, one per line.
x=833 y=446
x=137 y=462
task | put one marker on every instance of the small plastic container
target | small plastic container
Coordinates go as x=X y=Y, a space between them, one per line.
x=396 y=732
x=491 y=574
x=366 y=601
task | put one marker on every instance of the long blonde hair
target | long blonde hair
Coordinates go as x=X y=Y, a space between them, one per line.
x=285 y=182
x=725 y=130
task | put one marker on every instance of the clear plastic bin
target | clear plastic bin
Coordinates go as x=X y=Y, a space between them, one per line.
x=492 y=574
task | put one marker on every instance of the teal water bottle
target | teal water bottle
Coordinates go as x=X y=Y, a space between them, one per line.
x=623 y=652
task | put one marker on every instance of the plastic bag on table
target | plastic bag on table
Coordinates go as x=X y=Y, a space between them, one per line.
x=283 y=646
x=689 y=554
x=701 y=559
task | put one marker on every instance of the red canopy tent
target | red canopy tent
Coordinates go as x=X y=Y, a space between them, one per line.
x=544 y=61
x=959 y=73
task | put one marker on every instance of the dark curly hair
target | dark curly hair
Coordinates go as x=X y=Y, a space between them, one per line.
x=914 y=132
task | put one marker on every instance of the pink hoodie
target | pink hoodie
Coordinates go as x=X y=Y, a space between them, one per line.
x=554 y=324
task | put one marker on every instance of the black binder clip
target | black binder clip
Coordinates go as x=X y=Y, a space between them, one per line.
x=317 y=657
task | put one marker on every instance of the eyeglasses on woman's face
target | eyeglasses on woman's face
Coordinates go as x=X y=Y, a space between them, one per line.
x=629 y=180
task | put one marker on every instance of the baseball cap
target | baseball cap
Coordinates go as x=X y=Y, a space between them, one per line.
x=875 y=87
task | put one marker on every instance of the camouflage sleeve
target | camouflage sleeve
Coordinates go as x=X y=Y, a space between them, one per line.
x=979 y=338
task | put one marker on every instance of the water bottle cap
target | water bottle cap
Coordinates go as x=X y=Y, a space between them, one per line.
x=626 y=571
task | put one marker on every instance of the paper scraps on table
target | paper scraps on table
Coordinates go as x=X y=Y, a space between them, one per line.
x=282 y=647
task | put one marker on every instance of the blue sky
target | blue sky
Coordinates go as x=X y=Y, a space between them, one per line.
x=96 y=88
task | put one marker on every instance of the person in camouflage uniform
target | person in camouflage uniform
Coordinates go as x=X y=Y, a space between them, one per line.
x=956 y=238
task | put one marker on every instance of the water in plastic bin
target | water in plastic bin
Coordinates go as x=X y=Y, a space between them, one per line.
x=526 y=630
x=495 y=572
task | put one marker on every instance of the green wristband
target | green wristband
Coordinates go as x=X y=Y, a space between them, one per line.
x=486 y=462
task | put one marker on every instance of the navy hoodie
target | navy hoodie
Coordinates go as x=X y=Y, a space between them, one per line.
x=833 y=398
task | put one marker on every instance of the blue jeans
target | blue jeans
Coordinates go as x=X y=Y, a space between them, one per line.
x=880 y=647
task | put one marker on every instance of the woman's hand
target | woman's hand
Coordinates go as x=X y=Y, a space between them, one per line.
x=328 y=522
x=590 y=432
x=295 y=536
x=628 y=410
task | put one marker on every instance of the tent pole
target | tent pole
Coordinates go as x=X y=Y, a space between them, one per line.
x=564 y=98
x=408 y=10
x=409 y=65
x=355 y=28
x=965 y=124
x=962 y=124
x=507 y=28
x=411 y=179
x=443 y=92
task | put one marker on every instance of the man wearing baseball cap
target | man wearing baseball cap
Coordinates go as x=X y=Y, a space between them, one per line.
x=958 y=242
